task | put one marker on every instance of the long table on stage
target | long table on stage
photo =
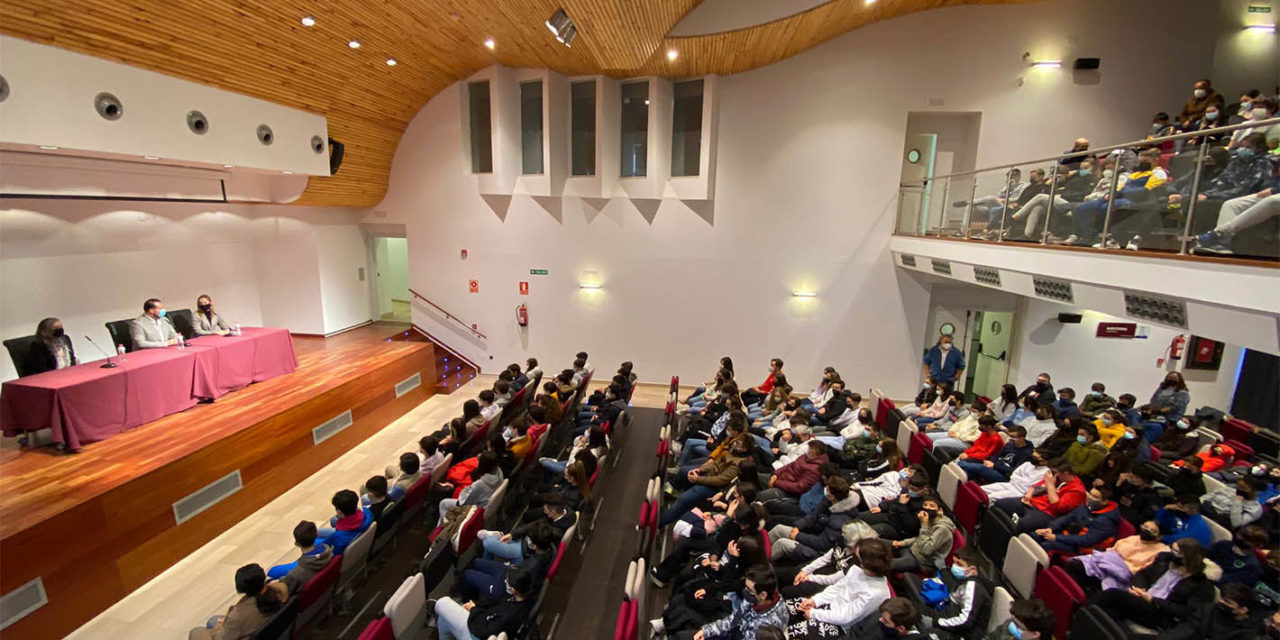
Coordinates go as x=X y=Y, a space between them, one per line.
x=87 y=403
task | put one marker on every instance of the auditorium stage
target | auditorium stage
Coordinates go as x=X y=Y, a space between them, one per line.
x=88 y=528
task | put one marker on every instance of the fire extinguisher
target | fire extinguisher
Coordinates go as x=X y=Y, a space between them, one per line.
x=522 y=315
x=1176 y=347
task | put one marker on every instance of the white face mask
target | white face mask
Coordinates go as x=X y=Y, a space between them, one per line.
x=945 y=346
x=1259 y=113
x=1200 y=93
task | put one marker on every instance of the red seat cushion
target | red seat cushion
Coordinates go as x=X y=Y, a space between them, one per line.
x=555 y=564
x=919 y=444
x=969 y=502
x=379 y=629
x=1061 y=594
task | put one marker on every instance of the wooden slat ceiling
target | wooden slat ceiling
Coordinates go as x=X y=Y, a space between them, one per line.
x=260 y=48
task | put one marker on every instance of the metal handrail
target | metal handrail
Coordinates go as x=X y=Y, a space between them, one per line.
x=448 y=315
x=1101 y=150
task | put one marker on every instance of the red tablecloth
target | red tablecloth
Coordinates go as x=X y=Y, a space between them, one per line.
x=227 y=363
x=87 y=403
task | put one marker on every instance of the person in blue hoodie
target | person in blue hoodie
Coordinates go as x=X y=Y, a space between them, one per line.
x=1065 y=406
x=352 y=521
x=1000 y=467
x=1182 y=519
x=1088 y=525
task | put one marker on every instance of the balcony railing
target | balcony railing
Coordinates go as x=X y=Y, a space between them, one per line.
x=1194 y=185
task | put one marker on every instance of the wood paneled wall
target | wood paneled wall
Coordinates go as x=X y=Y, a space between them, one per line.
x=261 y=49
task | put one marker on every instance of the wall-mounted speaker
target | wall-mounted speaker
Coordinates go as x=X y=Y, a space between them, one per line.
x=336 y=149
x=1070 y=318
x=1087 y=64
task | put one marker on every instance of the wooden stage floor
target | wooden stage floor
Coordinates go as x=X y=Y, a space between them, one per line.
x=95 y=525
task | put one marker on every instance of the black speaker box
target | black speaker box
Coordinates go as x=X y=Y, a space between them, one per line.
x=1087 y=64
x=1070 y=318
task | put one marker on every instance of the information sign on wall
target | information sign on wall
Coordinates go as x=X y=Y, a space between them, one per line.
x=1117 y=329
x=524 y=288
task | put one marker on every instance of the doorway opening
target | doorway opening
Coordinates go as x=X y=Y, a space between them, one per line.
x=391 y=279
x=937 y=144
x=989 y=353
x=982 y=325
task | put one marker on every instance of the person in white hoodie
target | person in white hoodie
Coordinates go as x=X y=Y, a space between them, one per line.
x=1022 y=479
x=885 y=486
x=854 y=596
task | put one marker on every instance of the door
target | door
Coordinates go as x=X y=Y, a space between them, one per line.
x=917 y=165
x=988 y=353
x=391 y=278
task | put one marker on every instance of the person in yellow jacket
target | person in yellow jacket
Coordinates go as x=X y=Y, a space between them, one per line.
x=1111 y=427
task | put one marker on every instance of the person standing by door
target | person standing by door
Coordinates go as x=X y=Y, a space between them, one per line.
x=944 y=363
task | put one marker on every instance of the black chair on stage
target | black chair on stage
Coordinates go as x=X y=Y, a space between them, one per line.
x=20 y=353
x=119 y=330
x=183 y=323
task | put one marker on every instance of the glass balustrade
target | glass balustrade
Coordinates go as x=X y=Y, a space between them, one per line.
x=1212 y=192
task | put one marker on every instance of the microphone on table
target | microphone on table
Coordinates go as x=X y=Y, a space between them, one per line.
x=109 y=364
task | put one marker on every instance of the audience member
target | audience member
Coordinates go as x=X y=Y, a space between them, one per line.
x=260 y=600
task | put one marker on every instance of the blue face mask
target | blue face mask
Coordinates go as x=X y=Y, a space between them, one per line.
x=902 y=473
x=1015 y=630
x=879 y=449
x=958 y=572
x=1128 y=435
x=1182 y=424
x=162 y=313
x=1085 y=172
x=1097 y=394
x=1244 y=153
x=1082 y=440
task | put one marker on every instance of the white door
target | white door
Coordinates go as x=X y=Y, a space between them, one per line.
x=917 y=165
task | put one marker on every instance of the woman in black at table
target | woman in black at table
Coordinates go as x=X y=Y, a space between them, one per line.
x=52 y=348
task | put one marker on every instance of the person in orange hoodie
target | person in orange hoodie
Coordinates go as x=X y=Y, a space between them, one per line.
x=1058 y=494
x=1215 y=459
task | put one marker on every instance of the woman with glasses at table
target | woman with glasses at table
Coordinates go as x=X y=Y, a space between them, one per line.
x=206 y=322
x=52 y=348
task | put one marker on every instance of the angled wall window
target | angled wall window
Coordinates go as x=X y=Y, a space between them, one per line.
x=634 y=126
x=583 y=128
x=686 y=129
x=531 y=127
x=481 y=128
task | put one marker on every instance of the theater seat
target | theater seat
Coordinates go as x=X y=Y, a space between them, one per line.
x=1061 y=594
x=1092 y=623
x=379 y=629
x=996 y=535
x=280 y=624
x=119 y=330
x=1001 y=600
x=20 y=352
x=406 y=608
x=920 y=443
x=949 y=481
x=314 y=598
x=970 y=501
x=1236 y=429
x=1024 y=560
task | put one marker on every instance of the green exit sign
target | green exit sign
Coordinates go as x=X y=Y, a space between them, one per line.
x=537 y=272
x=1254 y=8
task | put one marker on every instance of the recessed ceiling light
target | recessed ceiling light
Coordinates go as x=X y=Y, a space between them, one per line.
x=488 y=42
x=870 y=2
x=672 y=54
x=288 y=173
x=354 y=44
x=454 y=16
x=308 y=21
x=646 y=102
x=151 y=157
x=228 y=166
x=391 y=62
x=48 y=147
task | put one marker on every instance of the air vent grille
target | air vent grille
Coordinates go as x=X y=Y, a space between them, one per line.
x=18 y=603
x=1053 y=289
x=987 y=275
x=213 y=493
x=331 y=427
x=1156 y=309
x=941 y=266
x=908 y=261
x=409 y=384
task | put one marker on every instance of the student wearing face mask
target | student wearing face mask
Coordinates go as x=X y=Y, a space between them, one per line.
x=897 y=621
x=1238 y=614
x=1202 y=96
x=1058 y=492
x=1071 y=189
x=999 y=466
x=1096 y=401
x=1261 y=109
x=1086 y=454
x=1167 y=405
x=968 y=607
x=1029 y=619
x=51 y=349
x=1233 y=506
x=152 y=330
x=1023 y=477
x=1113 y=568
x=206 y=321
x=1111 y=427
x=758 y=605
x=1182 y=519
x=816 y=532
x=930 y=546
x=857 y=594
x=1089 y=525
x=1041 y=390
x=1177 y=442
x=1137 y=495
x=1238 y=557
x=1247 y=171
x=1170 y=590
x=944 y=363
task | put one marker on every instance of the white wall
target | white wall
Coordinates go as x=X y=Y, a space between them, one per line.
x=1076 y=358
x=805 y=191
x=90 y=262
x=344 y=291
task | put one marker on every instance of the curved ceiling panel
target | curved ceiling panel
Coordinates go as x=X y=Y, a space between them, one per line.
x=718 y=16
x=262 y=49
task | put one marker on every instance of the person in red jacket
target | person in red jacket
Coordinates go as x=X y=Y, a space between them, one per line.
x=797 y=477
x=1058 y=494
x=1215 y=459
x=988 y=444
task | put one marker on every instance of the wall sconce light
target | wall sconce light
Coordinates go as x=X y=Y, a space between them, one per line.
x=1268 y=28
x=590 y=286
x=804 y=294
x=1047 y=64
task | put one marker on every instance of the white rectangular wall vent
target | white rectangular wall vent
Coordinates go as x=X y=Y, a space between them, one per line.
x=331 y=427
x=16 y=604
x=941 y=267
x=987 y=275
x=908 y=261
x=1156 y=309
x=213 y=493
x=409 y=384
x=1053 y=289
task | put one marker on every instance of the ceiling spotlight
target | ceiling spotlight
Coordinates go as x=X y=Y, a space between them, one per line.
x=391 y=62
x=354 y=44
x=806 y=294
x=869 y=2
x=557 y=22
x=489 y=43
x=151 y=157
x=48 y=147
x=228 y=166
x=454 y=16
x=287 y=173
x=646 y=102
x=672 y=54
x=308 y=21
